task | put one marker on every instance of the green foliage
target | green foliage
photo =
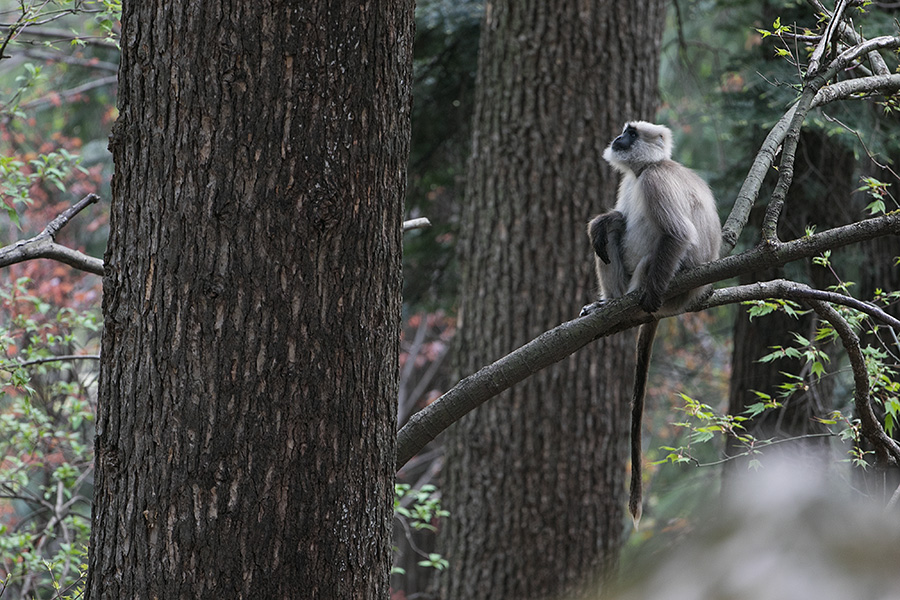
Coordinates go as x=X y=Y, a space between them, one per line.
x=884 y=385
x=878 y=191
x=423 y=506
x=705 y=424
x=419 y=509
x=805 y=350
x=777 y=29
x=107 y=17
x=31 y=164
x=760 y=308
x=17 y=177
x=435 y=561
x=47 y=411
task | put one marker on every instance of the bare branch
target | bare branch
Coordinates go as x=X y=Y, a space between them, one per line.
x=52 y=98
x=88 y=63
x=44 y=244
x=420 y=223
x=746 y=198
x=49 y=359
x=62 y=35
x=792 y=136
x=827 y=38
x=852 y=37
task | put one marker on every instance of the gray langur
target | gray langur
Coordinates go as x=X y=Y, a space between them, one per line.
x=665 y=221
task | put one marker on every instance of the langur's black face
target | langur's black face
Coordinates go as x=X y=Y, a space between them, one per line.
x=624 y=141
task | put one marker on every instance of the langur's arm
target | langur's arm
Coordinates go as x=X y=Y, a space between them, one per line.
x=606 y=232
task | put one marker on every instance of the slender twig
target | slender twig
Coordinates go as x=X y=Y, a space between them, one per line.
x=88 y=63
x=61 y=35
x=50 y=359
x=760 y=444
x=53 y=98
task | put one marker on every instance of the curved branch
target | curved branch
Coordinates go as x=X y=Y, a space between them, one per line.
x=884 y=446
x=790 y=290
x=44 y=245
x=616 y=315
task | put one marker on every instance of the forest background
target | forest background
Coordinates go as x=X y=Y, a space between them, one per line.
x=730 y=386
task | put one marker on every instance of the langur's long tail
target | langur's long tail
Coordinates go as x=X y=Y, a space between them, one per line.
x=641 y=368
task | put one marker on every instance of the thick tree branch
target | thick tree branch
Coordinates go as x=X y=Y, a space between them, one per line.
x=618 y=315
x=44 y=245
x=622 y=313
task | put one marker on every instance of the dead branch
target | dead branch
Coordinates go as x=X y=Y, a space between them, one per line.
x=420 y=223
x=44 y=245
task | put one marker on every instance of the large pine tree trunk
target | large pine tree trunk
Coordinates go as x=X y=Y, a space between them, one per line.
x=535 y=478
x=246 y=432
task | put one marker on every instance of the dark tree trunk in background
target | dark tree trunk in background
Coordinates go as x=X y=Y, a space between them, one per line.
x=823 y=184
x=246 y=433
x=534 y=479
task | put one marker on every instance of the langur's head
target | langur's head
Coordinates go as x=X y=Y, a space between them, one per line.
x=640 y=144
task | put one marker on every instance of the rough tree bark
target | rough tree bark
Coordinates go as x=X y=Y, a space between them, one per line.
x=534 y=480
x=246 y=431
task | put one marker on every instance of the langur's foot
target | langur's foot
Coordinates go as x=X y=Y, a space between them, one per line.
x=592 y=307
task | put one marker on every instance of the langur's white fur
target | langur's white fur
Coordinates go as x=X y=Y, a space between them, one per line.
x=664 y=221
x=657 y=197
